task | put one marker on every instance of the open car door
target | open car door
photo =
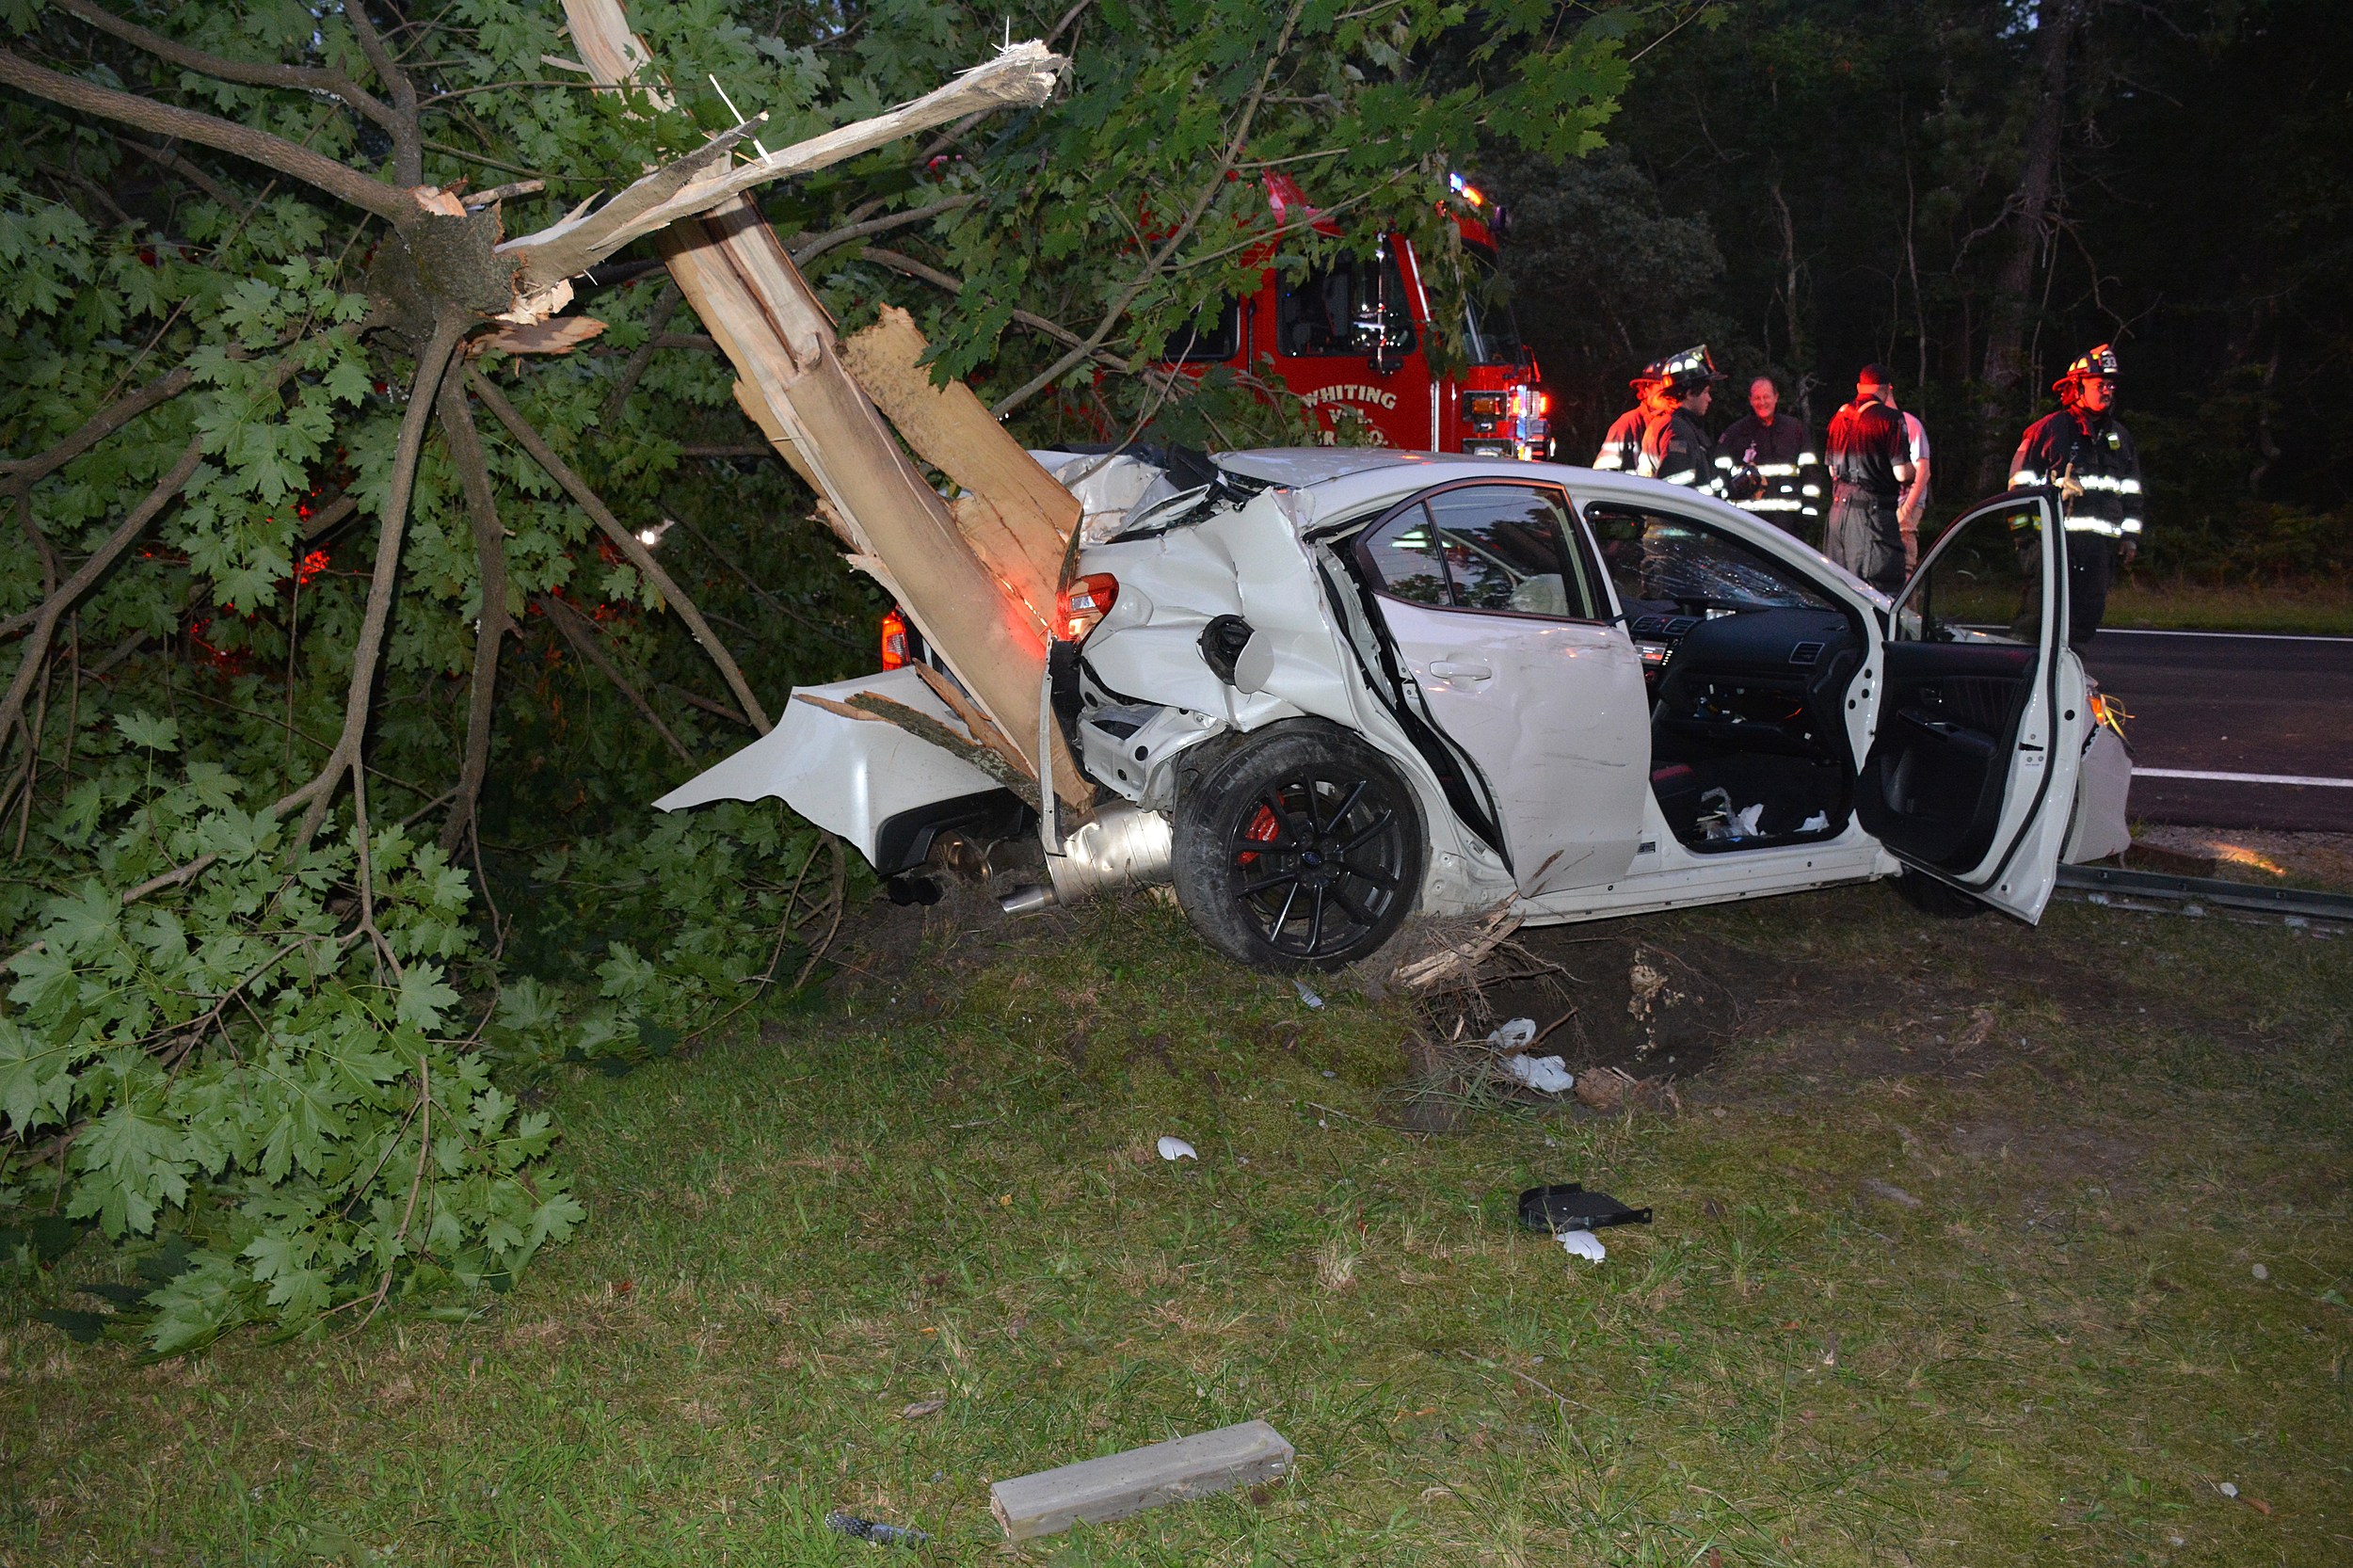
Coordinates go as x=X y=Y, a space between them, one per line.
x=1971 y=773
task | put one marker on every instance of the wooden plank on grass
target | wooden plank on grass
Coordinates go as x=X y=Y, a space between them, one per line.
x=1116 y=1485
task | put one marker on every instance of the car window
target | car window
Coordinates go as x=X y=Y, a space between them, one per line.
x=1983 y=583
x=1502 y=548
x=1660 y=560
x=1403 y=556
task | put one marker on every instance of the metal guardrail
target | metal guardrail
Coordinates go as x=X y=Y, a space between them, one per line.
x=2206 y=889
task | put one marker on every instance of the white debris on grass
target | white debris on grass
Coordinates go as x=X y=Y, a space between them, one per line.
x=1176 y=1149
x=1582 y=1243
x=1307 y=996
x=1548 y=1075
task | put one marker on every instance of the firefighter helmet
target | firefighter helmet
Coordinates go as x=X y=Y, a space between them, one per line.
x=1685 y=372
x=2100 y=361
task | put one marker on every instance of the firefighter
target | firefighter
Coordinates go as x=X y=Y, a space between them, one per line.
x=1761 y=457
x=2085 y=453
x=1870 y=463
x=1622 y=448
x=1675 y=447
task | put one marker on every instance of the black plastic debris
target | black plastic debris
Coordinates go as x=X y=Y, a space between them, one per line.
x=1569 y=1206
x=874 y=1531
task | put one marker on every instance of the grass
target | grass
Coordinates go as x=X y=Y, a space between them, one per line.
x=2182 y=605
x=1928 y=1284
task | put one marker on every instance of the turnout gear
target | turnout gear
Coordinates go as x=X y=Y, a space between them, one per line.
x=1622 y=448
x=2088 y=458
x=1763 y=468
x=1675 y=448
x=1867 y=445
x=1688 y=372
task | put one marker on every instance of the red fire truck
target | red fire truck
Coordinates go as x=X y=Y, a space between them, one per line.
x=1352 y=340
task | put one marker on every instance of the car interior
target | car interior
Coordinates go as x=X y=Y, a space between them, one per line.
x=1748 y=664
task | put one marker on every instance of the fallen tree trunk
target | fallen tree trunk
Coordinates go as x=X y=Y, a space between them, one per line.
x=741 y=282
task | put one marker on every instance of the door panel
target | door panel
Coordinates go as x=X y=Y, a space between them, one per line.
x=1980 y=716
x=1498 y=615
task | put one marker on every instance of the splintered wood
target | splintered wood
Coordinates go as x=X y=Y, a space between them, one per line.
x=982 y=606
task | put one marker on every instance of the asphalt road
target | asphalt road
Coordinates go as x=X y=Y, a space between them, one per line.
x=2275 y=708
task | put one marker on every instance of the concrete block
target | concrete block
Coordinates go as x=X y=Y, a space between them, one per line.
x=1117 y=1485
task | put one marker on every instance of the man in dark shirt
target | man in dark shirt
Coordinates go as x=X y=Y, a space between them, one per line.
x=1870 y=462
x=1761 y=457
x=2084 y=453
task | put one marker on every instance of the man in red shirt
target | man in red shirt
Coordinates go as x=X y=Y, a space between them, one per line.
x=1870 y=463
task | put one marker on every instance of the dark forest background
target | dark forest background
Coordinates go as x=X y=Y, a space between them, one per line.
x=1973 y=192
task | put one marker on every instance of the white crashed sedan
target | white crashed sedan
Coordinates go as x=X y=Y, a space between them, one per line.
x=1323 y=688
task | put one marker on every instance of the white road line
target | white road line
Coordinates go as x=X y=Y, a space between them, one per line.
x=2245 y=636
x=2245 y=777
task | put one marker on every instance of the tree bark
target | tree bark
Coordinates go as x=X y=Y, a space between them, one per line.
x=489 y=548
x=2056 y=23
x=432 y=361
x=388 y=203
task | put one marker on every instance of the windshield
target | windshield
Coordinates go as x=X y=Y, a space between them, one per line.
x=1491 y=332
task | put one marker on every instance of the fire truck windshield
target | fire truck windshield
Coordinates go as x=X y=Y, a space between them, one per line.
x=1491 y=332
x=1355 y=307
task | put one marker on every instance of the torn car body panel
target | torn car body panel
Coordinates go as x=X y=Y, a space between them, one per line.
x=863 y=778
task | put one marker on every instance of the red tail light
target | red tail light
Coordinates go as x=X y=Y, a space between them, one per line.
x=1078 y=607
x=894 y=641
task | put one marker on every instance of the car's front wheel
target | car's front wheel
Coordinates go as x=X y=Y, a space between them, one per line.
x=1301 y=848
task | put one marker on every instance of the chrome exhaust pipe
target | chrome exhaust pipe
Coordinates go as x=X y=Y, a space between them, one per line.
x=1027 y=900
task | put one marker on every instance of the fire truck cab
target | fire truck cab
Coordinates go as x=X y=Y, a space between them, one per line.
x=1352 y=340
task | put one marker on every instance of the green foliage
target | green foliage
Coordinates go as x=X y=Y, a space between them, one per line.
x=232 y=1064
x=284 y=1074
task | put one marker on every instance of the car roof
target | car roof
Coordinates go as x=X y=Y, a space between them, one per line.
x=1303 y=467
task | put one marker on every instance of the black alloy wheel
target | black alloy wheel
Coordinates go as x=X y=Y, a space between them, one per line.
x=1302 y=850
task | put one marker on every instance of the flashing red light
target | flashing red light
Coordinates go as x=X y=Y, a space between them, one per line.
x=1087 y=601
x=894 y=641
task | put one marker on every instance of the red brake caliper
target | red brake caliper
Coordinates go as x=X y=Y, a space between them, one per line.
x=1262 y=830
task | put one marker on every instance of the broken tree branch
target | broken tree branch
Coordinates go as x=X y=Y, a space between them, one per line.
x=949 y=282
x=1024 y=73
x=629 y=545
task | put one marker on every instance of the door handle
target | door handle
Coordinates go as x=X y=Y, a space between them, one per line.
x=1448 y=669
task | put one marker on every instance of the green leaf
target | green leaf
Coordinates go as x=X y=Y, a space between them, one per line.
x=145 y=729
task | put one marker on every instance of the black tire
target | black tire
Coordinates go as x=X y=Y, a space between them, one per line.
x=1301 y=848
x=1933 y=897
